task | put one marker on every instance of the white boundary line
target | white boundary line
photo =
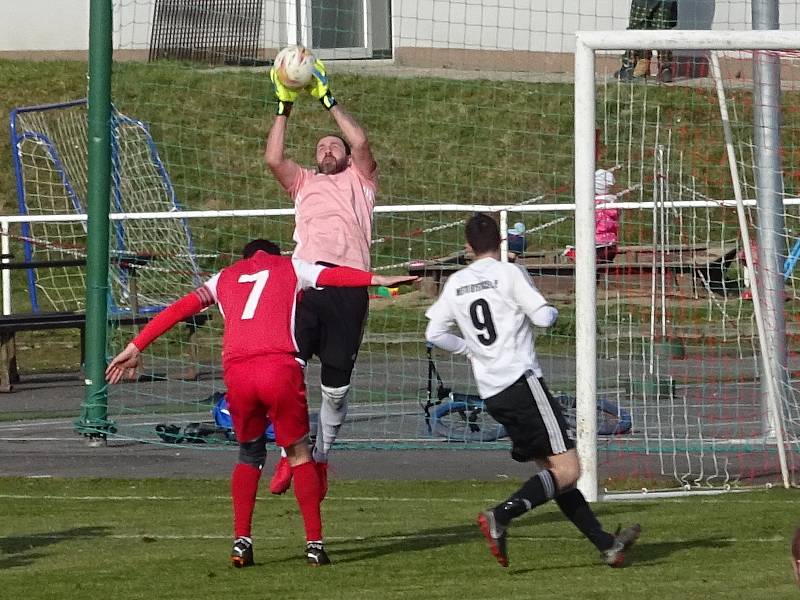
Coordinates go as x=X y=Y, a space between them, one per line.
x=226 y=498
x=395 y=538
x=706 y=497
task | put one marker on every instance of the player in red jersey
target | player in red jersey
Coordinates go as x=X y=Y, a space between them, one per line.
x=257 y=297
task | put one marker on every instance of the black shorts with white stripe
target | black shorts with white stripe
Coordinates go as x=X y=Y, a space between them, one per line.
x=532 y=418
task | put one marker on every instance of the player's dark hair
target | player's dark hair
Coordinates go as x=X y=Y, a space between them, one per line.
x=482 y=233
x=344 y=141
x=255 y=245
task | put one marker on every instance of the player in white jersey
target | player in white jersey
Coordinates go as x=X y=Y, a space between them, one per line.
x=494 y=304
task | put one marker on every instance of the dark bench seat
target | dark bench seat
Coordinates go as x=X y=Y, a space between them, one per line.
x=37 y=321
x=705 y=266
x=11 y=324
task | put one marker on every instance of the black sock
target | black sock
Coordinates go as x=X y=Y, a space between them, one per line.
x=537 y=490
x=576 y=509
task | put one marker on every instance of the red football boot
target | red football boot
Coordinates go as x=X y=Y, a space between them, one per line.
x=281 y=478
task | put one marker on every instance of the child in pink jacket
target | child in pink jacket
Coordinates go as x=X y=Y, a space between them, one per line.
x=606 y=220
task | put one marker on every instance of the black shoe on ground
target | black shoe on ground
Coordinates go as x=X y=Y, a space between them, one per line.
x=242 y=553
x=495 y=535
x=615 y=556
x=316 y=555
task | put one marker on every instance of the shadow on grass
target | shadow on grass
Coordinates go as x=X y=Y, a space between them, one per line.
x=426 y=539
x=372 y=547
x=375 y=546
x=653 y=552
x=643 y=554
x=22 y=549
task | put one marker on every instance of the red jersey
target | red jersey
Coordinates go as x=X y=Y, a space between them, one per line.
x=257 y=297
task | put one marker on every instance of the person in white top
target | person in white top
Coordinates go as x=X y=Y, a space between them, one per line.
x=494 y=305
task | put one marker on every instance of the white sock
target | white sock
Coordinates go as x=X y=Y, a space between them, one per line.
x=319 y=456
x=332 y=413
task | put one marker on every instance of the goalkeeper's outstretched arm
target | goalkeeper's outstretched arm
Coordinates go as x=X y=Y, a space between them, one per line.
x=284 y=169
x=355 y=135
x=353 y=132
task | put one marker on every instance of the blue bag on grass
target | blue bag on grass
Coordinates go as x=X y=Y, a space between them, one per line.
x=222 y=417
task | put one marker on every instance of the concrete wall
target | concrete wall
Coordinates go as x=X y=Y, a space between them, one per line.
x=44 y=25
x=31 y=26
x=535 y=26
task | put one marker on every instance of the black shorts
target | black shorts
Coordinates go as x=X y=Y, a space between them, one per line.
x=330 y=323
x=532 y=418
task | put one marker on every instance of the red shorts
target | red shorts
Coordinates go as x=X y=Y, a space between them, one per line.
x=267 y=389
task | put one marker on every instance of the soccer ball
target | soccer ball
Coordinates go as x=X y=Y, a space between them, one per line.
x=295 y=66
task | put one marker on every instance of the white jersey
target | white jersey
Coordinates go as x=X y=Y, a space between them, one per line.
x=603 y=181
x=493 y=304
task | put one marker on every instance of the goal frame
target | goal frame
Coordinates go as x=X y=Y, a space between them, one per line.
x=587 y=43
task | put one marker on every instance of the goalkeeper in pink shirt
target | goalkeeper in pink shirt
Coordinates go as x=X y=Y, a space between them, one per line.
x=333 y=226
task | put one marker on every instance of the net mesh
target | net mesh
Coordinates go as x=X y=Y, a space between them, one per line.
x=51 y=160
x=475 y=107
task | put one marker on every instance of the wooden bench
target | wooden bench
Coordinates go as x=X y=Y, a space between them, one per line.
x=11 y=324
x=37 y=321
x=554 y=272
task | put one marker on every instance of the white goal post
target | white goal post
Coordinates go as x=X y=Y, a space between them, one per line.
x=587 y=44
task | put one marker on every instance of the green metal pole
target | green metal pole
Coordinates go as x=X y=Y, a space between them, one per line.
x=94 y=412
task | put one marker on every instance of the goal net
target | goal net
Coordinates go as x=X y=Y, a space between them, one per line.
x=463 y=112
x=690 y=326
x=153 y=261
x=50 y=162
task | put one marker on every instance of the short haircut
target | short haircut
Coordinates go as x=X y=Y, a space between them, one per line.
x=340 y=138
x=482 y=233
x=255 y=245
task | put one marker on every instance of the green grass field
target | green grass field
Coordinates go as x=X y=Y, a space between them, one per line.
x=169 y=539
x=473 y=141
x=436 y=140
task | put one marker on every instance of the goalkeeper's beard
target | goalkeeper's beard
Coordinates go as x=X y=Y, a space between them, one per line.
x=330 y=166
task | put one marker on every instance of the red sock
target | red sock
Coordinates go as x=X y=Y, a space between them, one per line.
x=307 y=491
x=244 y=485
